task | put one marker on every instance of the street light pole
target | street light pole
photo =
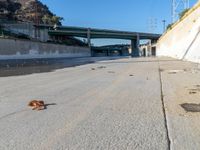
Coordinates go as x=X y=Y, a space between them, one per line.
x=164 y=25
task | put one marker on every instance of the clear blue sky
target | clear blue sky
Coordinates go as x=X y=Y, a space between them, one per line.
x=129 y=15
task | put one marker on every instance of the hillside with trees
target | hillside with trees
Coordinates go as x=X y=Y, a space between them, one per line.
x=28 y=11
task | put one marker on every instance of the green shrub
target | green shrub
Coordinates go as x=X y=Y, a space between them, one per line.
x=183 y=13
x=169 y=27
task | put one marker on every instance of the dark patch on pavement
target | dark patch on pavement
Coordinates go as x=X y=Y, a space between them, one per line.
x=191 y=107
x=111 y=72
x=172 y=72
x=161 y=70
x=197 y=86
x=101 y=67
x=192 y=92
x=175 y=71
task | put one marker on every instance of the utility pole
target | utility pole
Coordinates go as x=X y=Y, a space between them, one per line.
x=164 y=25
x=177 y=7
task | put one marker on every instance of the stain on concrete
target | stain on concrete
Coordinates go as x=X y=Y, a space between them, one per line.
x=111 y=72
x=175 y=71
x=191 y=107
x=192 y=92
x=101 y=67
x=161 y=70
x=198 y=86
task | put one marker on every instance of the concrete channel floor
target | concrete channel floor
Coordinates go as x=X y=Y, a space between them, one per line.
x=126 y=103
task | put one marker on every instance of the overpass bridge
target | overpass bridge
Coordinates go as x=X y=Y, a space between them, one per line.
x=92 y=33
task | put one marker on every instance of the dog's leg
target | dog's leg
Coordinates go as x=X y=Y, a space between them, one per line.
x=34 y=108
x=40 y=108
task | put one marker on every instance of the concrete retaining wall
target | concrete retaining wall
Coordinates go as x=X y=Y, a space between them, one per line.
x=182 y=41
x=19 y=49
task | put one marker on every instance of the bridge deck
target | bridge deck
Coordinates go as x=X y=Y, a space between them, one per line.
x=102 y=33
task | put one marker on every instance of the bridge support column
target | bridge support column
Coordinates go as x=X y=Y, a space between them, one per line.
x=135 y=47
x=89 y=40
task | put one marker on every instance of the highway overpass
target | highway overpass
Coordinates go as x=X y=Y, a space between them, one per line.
x=92 y=33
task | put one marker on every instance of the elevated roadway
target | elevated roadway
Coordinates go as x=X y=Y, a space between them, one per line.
x=92 y=33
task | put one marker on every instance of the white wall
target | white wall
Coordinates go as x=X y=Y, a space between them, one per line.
x=19 y=49
x=183 y=41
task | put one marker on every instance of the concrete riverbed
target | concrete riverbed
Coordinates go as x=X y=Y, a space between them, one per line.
x=121 y=103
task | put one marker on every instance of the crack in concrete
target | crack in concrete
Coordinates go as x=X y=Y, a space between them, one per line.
x=163 y=107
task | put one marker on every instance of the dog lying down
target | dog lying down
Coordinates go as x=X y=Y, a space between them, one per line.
x=37 y=105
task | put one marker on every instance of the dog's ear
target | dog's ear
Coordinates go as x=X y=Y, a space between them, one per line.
x=30 y=103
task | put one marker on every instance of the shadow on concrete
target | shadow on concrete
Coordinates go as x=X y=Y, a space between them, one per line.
x=17 y=67
x=50 y=104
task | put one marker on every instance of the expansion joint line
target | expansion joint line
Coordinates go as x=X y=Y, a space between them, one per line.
x=191 y=44
x=163 y=107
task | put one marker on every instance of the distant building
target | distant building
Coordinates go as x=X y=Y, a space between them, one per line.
x=148 y=49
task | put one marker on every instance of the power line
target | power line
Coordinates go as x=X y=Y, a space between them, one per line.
x=177 y=7
x=152 y=24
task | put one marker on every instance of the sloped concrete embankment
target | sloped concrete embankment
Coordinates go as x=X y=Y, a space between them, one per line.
x=19 y=49
x=182 y=41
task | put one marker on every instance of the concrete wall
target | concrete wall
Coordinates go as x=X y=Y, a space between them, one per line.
x=147 y=50
x=28 y=29
x=182 y=41
x=18 y=49
x=25 y=28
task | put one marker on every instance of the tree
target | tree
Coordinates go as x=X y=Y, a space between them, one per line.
x=53 y=20
x=46 y=19
x=56 y=20
x=169 y=27
x=183 y=13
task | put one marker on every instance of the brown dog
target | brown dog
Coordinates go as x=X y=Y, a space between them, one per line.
x=37 y=105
